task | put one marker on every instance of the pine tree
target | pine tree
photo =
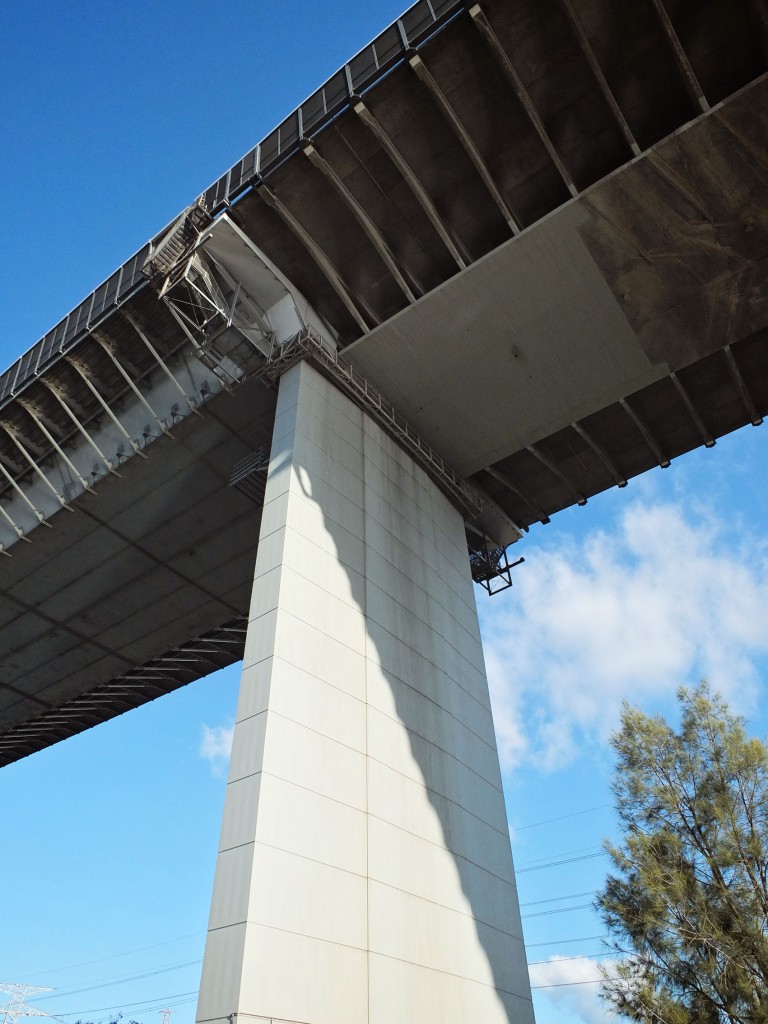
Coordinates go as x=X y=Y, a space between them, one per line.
x=688 y=905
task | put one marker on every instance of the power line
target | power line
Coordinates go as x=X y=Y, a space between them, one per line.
x=569 y=984
x=123 y=1006
x=557 y=863
x=563 y=942
x=147 y=1009
x=562 y=853
x=555 y=899
x=560 y=910
x=123 y=979
x=562 y=817
x=115 y=956
x=581 y=956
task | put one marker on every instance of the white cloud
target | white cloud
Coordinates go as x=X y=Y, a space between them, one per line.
x=664 y=600
x=571 y=984
x=216 y=746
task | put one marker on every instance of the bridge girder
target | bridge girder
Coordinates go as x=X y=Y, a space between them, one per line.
x=542 y=228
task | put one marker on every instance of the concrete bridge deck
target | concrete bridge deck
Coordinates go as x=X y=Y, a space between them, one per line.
x=541 y=228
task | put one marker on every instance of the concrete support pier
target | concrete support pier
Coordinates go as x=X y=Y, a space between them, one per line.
x=364 y=873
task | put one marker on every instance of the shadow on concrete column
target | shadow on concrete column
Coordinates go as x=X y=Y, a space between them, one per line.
x=364 y=871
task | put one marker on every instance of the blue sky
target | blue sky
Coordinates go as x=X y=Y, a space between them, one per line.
x=113 y=118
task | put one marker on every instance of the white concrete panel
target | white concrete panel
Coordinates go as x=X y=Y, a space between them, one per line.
x=305 y=823
x=316 y=652
x=407 y=862
x=483 y=844
x=273 y=516
x=420 y=932
x=319 y=706
x=417 y=527
x=387 y=554
x=260 y=638
x=416 y=496
x=387 y=692
x=231 y=887
x=510 y=966
x=308 y=456
x=517 y=1007
x=403 y=861
x=444 y=822
x=415 y=603
x=400 y=991
x=394 y=579
x=300 y=978
x=316 y=762
x=384 y=611
x=405 y=803
x=222 y=969
x=436 y=769
x=270 y=554
x=255 y=682
x=398 y=654
x=408 y=488
x=427 y=724
x=325 y=568
x=496 y=906
x=307 y=897
x=431 y=572
x=306 y=600
x=283 y=431
x=320 y=404
x=391 y=605
x=281 y=470
x=414 y=929
x=238 y=825
x=400 y=505
x=346 y=543
x=337 y=508
x=329 y=445
x=386 y=457
x=248 y=745
x=265 y=596
x=383 y=456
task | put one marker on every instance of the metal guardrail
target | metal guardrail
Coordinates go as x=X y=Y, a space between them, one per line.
x=372 y=63
x=70 y=331
x=249 y=475
x=255 y=462
x=375 y=60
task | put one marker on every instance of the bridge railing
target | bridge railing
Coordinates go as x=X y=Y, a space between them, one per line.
x=374 y=61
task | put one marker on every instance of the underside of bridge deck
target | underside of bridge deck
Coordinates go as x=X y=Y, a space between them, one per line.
x=540 y=227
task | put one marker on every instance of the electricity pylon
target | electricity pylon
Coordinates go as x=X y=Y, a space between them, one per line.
x=16 y=1006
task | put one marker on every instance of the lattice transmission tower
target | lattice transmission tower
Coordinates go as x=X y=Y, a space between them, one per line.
x=16 y=1006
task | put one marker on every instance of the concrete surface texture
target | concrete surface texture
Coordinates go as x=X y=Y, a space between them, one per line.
x=364 y=871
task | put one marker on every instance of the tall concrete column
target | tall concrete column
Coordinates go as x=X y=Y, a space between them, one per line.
x=364 y=873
